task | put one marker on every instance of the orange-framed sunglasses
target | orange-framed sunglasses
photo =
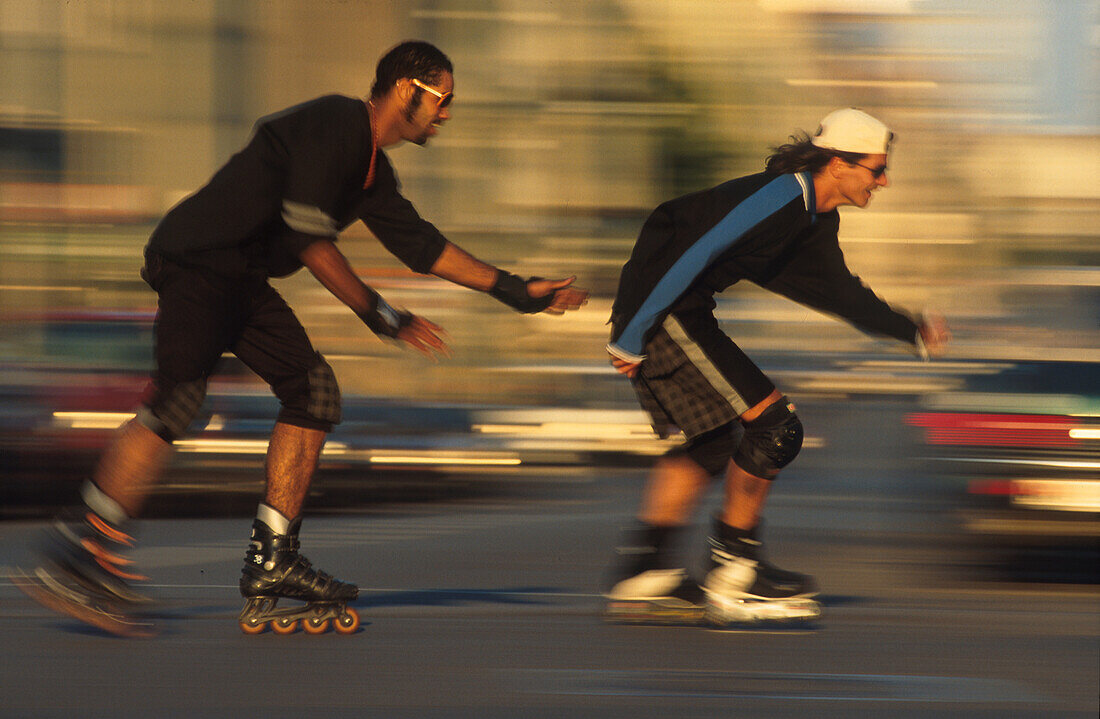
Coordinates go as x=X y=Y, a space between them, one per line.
x=443 y=99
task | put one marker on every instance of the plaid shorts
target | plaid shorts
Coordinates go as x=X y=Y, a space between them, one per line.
x=695 y=378
x=200 y=316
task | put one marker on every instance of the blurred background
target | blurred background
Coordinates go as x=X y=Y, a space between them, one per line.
x=573 y=119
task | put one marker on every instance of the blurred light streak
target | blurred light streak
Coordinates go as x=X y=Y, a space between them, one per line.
x=1059 y=277
x=894 y=84
x=340 y=450
x=92 y=420
x=908 y=240
x=1066 y=404
x=983 y=368
x=223 y=446
x=1052 y=463
x=996 y=430
x=41 y=288
x=877 y=7
x=527 y=18
x=643 y=109
x=410 y=459
x=507 y=143
x=51 y=251
x=869 y=384
x=1032 y=527
x=568 y=429
x=1065 y=495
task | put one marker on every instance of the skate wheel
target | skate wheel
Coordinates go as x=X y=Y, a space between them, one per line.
x=315 y=626
x=347 y=622
x=284 y=626
x=253 y=627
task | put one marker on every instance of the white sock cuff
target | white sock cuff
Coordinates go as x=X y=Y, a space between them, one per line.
x=101 y=504
x=273 y=518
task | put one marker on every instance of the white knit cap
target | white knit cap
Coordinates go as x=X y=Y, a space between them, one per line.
x=851 y=130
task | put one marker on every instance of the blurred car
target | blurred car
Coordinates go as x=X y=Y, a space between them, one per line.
x=1024 y=443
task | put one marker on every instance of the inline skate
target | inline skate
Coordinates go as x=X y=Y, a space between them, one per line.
x=85 y=575
x=741 y=587
x=274 y=570
x=645 y=587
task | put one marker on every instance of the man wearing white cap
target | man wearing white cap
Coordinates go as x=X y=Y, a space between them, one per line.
x=777 y=229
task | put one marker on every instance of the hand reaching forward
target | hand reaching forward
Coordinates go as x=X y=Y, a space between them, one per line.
x=934 y=333
x=566 y=297
x=424 y=337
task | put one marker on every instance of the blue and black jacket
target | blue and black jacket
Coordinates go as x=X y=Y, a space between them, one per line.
x=762 y=228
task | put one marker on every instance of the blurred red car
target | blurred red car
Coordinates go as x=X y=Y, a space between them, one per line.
x=1028 y=456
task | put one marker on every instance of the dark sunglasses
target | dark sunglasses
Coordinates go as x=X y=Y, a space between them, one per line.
x=876 y=172
x=443 y=99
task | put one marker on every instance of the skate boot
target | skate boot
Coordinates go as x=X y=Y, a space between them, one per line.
x=645 y=587
x=85 y=574
x=742 y=588
x=273 y=569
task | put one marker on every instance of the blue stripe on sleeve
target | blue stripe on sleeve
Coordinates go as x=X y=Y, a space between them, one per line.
x=746 y=215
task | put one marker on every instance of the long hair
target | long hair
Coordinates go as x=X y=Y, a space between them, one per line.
x=412 y=59
x=801 y=155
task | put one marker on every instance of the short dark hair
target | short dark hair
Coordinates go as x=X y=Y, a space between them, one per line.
x=413 y=59
x=801 y=155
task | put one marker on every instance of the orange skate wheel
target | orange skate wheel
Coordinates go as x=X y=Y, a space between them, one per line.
x=253 y=627
x=347 y=622
x=284 y=626
x=315 y=626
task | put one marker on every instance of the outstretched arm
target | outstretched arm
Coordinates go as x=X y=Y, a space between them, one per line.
x=536 y=295
x=332 y=270
x=819 y=277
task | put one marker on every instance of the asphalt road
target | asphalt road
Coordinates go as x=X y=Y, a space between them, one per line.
x=488 y=607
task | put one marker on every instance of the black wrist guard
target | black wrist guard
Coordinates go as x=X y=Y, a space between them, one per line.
x=512 y=291
x=384 y=320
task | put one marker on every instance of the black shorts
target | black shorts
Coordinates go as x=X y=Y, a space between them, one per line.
x=200 y=316
x=695 y=378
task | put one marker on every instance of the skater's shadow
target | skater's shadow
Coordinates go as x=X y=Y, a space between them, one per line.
x=87 y=630
x=373 y=598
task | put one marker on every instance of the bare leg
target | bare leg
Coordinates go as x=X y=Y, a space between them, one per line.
x=292 y=456
x=745 y=497
x=673 y=491
x=746 y=493
x=131 y=466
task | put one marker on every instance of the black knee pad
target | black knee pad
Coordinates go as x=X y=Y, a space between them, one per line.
x=310 y=400
x=771 y=441
x=173 y=407
x=711 y=450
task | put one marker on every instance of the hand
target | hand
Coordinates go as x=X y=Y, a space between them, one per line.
x=934 y=333
x=624 y=367
x=566 y=297
x=424 y=337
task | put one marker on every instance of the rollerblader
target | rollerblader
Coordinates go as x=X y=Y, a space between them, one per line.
x=276 y=206
x=777 y=229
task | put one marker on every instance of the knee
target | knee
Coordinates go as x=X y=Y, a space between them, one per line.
x=311 y=399
x=771 y=441
x=172 y=408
